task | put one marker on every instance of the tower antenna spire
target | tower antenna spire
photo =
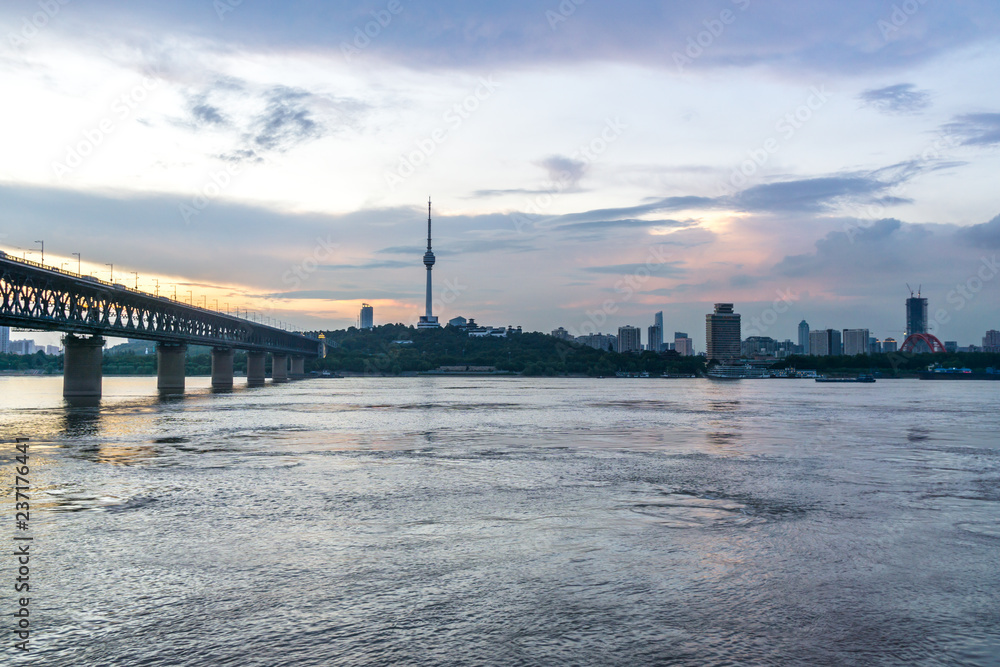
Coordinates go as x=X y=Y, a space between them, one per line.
x=428 y=223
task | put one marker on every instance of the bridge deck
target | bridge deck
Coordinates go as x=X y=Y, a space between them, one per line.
x=35 y=296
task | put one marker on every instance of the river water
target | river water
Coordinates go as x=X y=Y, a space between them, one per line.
x=509 y=521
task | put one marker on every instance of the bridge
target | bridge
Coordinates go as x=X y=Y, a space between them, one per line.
x=36 y=296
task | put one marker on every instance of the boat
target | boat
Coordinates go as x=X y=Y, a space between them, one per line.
x=935 y=372
x=739 y=372
x=861 y=378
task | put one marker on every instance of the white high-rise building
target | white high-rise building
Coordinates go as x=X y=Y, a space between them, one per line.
x=367 y=316
x=629 y=339
x=855 y=341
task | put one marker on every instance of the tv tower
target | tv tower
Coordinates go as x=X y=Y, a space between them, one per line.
x=428 y=320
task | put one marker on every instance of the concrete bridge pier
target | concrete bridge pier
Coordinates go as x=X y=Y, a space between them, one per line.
x=298 y=367
x=82 y=373
x=279 y=368
x=255 y=369
x=170 y=358
x=222 y=368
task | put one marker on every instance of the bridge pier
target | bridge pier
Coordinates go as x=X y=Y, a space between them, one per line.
x=298 y=367
x=279 y=368
x=170 y=360
x=222 y=368
x=255 y=369
x=82 y=373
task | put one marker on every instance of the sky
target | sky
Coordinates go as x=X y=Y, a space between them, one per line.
x=590 y=163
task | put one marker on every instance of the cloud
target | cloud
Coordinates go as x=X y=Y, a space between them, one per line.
x=809 y=195
x=976 y=129
x=984 y=235
x=564 y=171
x=287 y=121
x=656 y=269
x=900 y=99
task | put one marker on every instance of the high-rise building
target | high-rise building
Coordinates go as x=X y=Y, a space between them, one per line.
x=889 y=345
x=599 y=341
x=658 y=321
x=629 y=339
x=824 y=343
x=654 y=337
x=562 y=334
x=804 y=336
x=873 y=346
x=23 y=346
x=683 y=344
x=991 y=341
x=759 y=347
x=428 y=320
x=367 y=316
x=916 y=315
x=951 y=346
x=4 y=340
x=722 y=333
x=855 y=341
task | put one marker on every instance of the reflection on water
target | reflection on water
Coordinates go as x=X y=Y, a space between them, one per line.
x=425 y=521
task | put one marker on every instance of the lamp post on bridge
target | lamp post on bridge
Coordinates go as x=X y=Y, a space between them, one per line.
x=112 y=272
x=42 y=243
x=190 y=298
x=136 y=274
x=77 y=255
x=157 y=281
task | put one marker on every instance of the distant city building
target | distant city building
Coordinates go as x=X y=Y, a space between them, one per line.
x=916 y=315
x=991 y=341
x=654 y=337
x=367 y=316
x=759 y=347
x=458 y=322
x=658 y=322
x=52 y=349
x=428 y=320
x=683 y=344
x=873 y=346
x=804 y=336
x=629 y=339
x=855 y=341
x=599 y=341
x=951 y=346
x=722 y=333
x=4 y=340
x=824 y=343
x=562 y=334
x=889 y=345
x=22 y=347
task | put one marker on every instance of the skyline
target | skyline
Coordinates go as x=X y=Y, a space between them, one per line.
x=664 y=158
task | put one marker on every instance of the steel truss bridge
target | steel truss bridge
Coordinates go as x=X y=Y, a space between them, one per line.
x=35 y=296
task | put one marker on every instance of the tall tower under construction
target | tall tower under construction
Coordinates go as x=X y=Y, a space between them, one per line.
x=428 y=320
